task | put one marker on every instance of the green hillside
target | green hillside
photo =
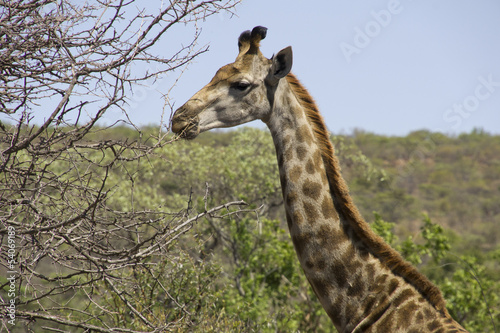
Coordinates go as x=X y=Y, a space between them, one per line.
x=455 y=180
x=137 y=238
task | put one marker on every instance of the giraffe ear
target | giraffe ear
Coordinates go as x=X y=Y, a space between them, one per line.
x=282 y=63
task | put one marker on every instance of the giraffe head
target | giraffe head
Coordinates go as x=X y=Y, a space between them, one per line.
x=238 y=93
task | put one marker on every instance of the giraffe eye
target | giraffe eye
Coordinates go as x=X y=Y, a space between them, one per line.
x=240 y=85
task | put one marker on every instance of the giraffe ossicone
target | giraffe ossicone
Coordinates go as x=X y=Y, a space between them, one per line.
x=362 y=283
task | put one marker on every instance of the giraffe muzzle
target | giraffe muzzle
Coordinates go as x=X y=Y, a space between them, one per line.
x=185 y=127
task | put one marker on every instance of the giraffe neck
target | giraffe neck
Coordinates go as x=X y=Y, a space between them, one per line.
x=356 y=276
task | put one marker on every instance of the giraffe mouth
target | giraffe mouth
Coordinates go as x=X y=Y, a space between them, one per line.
x=185 y=129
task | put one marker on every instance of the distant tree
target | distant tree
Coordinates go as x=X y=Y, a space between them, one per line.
x=68 y=251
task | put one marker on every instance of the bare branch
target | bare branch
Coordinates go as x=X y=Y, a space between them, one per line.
x=62 y=180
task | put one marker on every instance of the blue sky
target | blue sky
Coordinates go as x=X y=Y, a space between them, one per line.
x=389 y=67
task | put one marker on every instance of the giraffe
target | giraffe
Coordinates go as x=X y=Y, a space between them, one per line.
x=362 y=283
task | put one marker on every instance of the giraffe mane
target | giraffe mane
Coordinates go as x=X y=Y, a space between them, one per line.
x=346 y=208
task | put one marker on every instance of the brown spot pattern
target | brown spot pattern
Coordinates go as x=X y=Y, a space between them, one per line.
x=339 y=274
x=291 y=198
x=298 y=219
x=310 y=167
x=370 y=274
x=303 y=134
x=295 y=173
x=300 y=241
x=317 y=158
x=393 y=285
x=288 y=154
x=356 y=287
x=433 y=325
x=328 y=209
x=329 y=238
x=311 y=212
x=403 y=297
x=301 y=152
x=312 y=189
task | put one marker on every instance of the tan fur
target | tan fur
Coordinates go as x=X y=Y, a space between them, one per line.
x=345 y=206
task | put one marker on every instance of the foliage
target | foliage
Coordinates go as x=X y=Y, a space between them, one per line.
x=236 y=270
